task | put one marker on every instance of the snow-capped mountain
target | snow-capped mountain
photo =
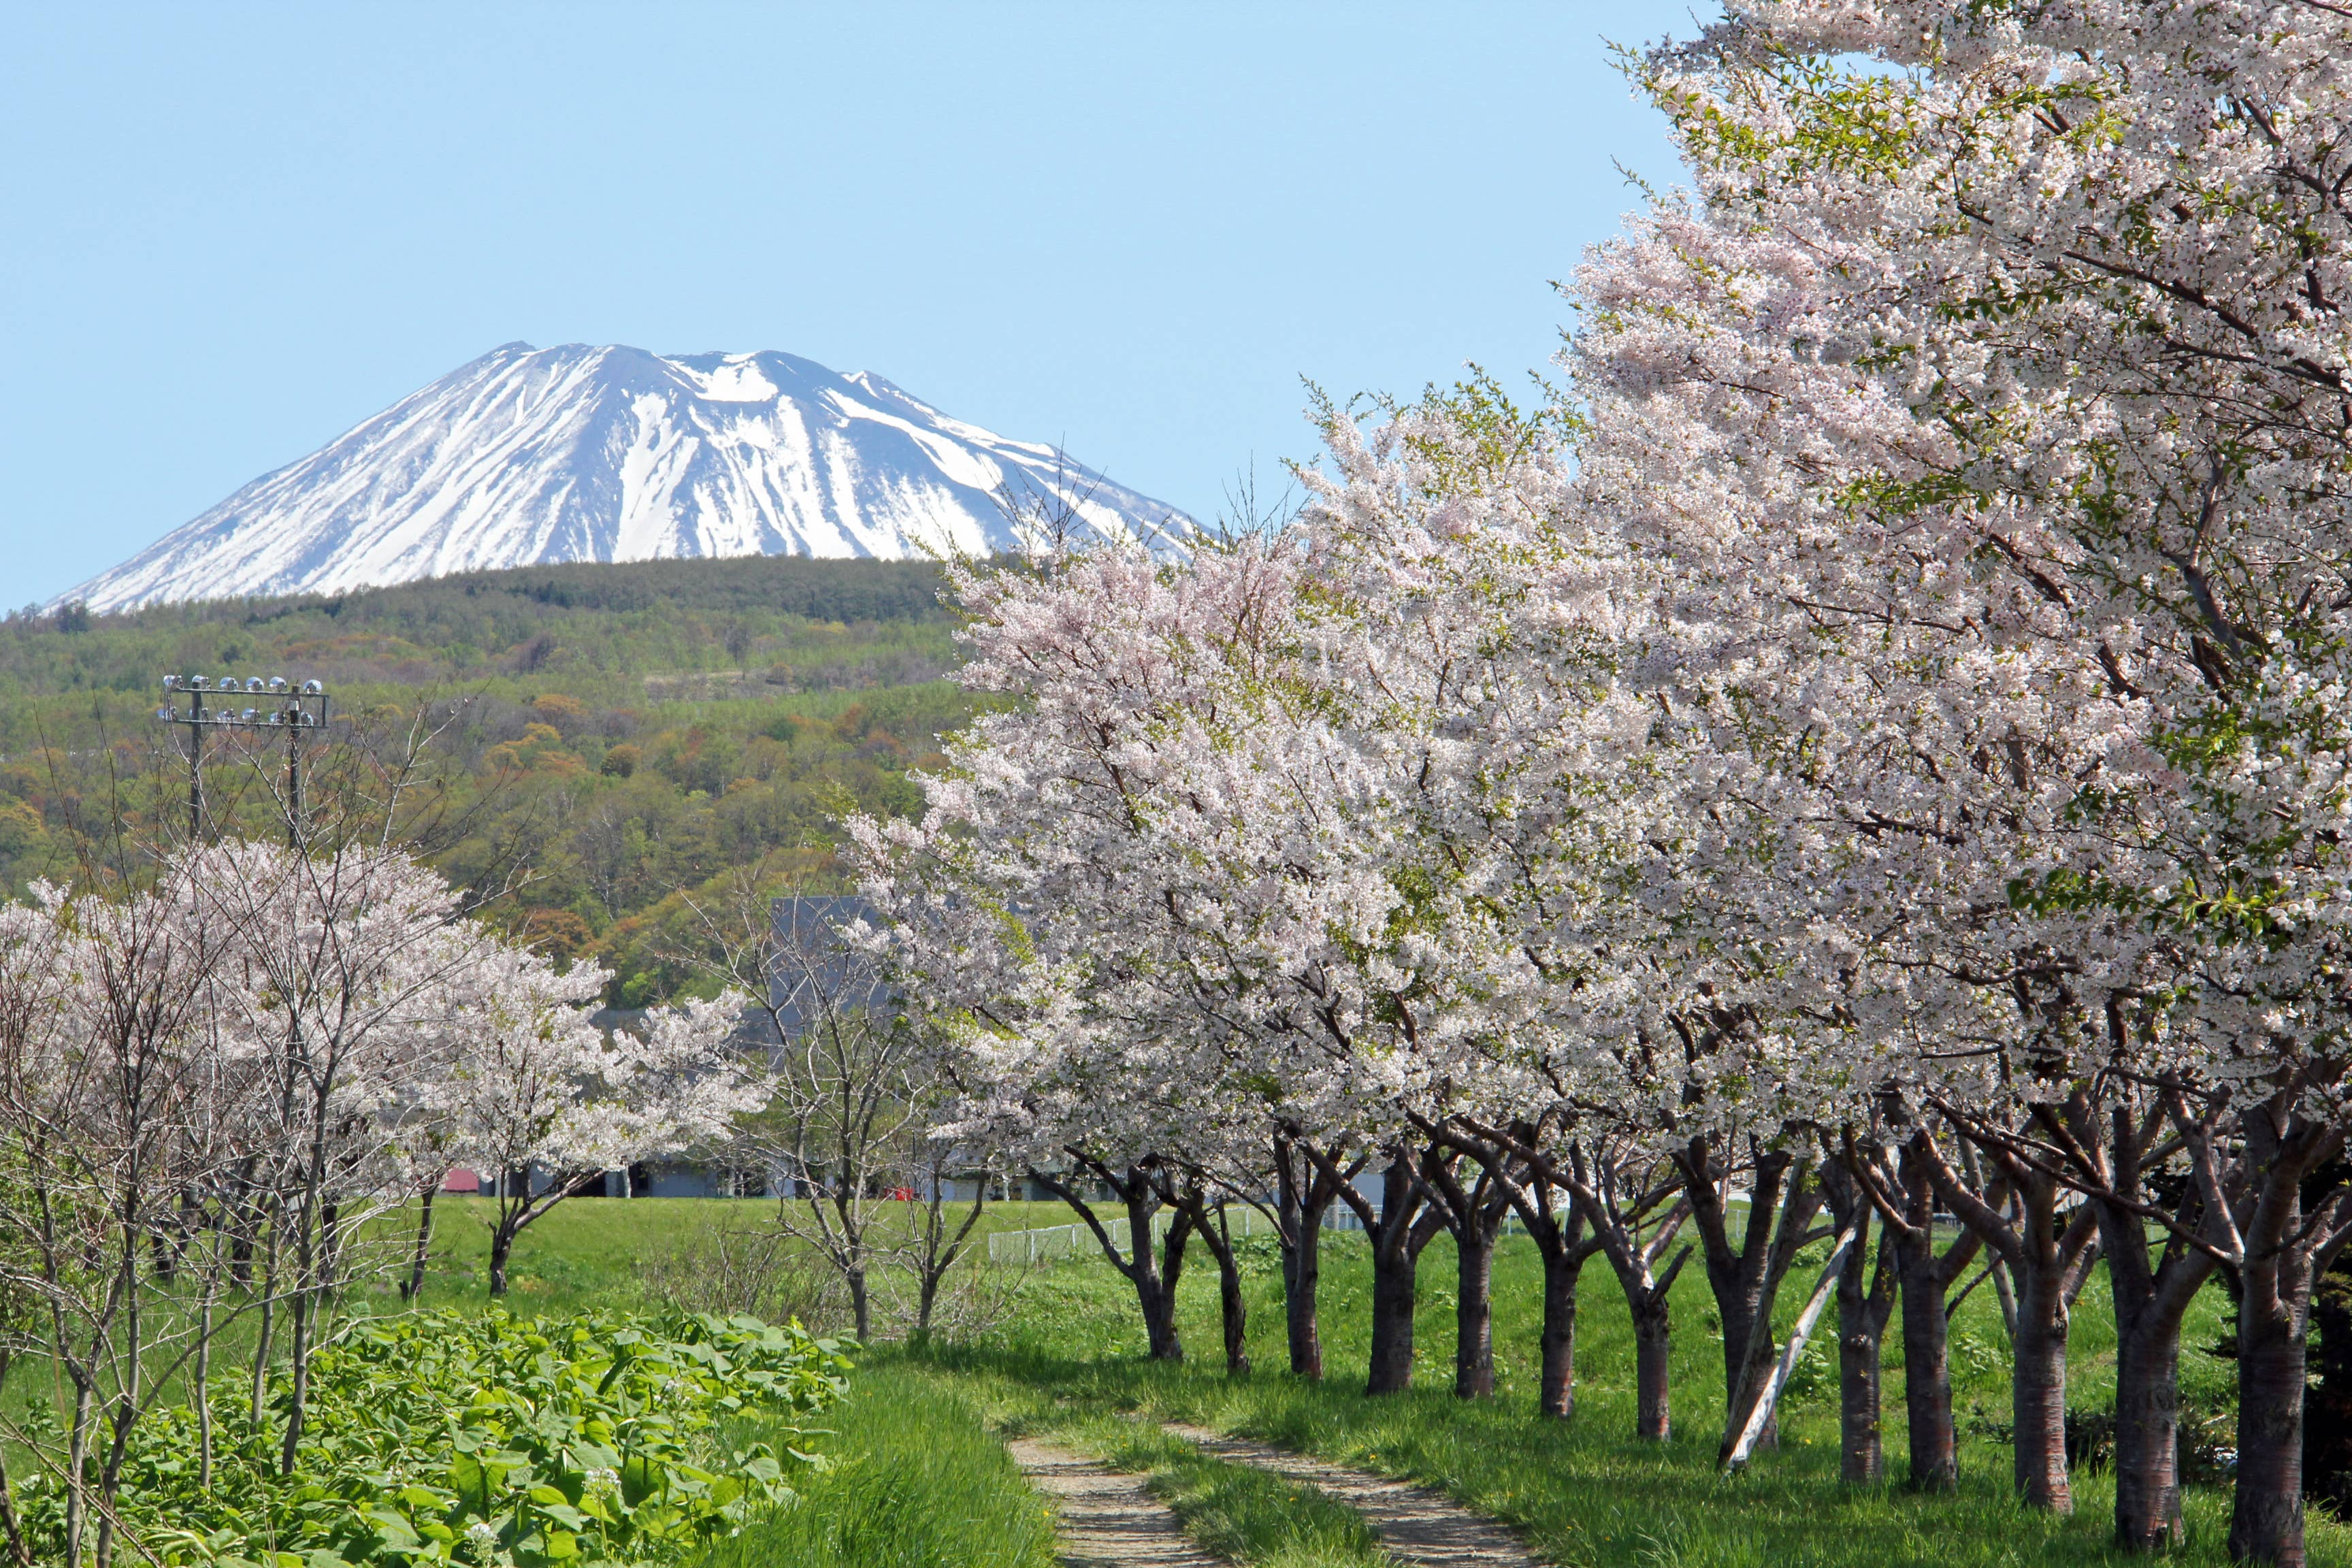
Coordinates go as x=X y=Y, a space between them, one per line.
x=579 y=452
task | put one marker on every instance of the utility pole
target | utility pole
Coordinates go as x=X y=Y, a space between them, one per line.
x=202 y=704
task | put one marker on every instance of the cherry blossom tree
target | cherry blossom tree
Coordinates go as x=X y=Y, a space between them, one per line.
x=1996 y=403
x=546 y=1098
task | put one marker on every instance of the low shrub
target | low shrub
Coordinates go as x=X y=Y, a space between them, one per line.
x=490 y=1442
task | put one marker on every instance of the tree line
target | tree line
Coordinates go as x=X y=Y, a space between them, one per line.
x=1869 y=746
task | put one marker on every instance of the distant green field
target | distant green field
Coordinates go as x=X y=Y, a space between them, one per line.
x=585 y=1252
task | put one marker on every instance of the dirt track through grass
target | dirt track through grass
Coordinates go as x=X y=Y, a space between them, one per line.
x=1108 y=1519
x=1418 y=1526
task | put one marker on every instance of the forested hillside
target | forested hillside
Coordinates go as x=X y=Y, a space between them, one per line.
x=607 y=739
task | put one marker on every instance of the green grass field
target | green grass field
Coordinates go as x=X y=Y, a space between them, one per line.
x=1583 y=1491
x=914 y=1481
x=1067 y=1356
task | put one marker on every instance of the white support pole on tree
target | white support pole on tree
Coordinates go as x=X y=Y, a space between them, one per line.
x=1761 y=1412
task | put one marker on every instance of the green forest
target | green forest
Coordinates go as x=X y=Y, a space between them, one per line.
x=591 y=744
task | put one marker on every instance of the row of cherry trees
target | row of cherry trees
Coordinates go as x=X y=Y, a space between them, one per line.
x=215 y=1074
x=1877 y=741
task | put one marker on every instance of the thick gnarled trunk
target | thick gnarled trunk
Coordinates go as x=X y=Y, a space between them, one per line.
x=1153 y=1274
x=1652 y=1396
x=1745 y=1275
x=1907 y=1205
x=1307 y=1180
x=2038 y=1394
x=2266 y=1513
x=1399 y=1232
x=1563 y=1260
x=1474 y=1315
x=1865 y=1302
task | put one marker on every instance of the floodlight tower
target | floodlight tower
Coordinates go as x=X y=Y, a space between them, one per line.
x=299 y=711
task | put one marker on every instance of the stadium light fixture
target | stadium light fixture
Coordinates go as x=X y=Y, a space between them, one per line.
x=303 y=714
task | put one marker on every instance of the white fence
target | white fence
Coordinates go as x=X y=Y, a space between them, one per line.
x=1049 y=1243
x=1340 y=1216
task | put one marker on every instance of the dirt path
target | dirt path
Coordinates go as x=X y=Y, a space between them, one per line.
x=1108 y=1519
x=1417 y=1525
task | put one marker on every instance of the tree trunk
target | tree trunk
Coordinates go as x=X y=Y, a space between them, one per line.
x=2012 y=1206
x=1156 y=1273
x=1862 y=1452
x=1407 y=1221
x=861 y=1303
x=297 y=1371
x=2266 y=1514
x=2038 y=1392
x=1304 y=1193
x=78 y=1473
x=1555 y=1387
x=1394 y=1290
x=20 y=1551
x=1162 y=1341
x=1865 y=1297
x=2148 y=1427
x=926 y=1294
x=1302 y=1274
x=1213 y=1221
x=1652 y=1418
x=1234 y=1312
x=201 y=1391
x=2283 y=1250
x=1613 y=1200
x=1473 y=1304
x=1926 y=1373
x=1136 y=1186
x=261 y=1336
x=501 y=1244
x=415 y=1285
x=1473 y=1212
x=1744 y=1278
x=1926 y=1367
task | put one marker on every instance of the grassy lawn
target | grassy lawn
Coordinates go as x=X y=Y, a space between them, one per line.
x=585 y=1252
x=920 y=1477
x=914 y=1481
x=1583 y=1491
x=1070 y=1354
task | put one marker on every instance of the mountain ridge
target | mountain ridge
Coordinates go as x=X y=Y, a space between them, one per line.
x=607 y=453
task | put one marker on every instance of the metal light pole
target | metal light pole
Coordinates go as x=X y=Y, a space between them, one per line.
x=251 y=704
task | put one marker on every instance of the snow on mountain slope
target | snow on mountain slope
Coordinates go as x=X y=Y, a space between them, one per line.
x=580 y=453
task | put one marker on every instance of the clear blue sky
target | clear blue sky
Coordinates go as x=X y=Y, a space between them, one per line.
x=229 y=232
